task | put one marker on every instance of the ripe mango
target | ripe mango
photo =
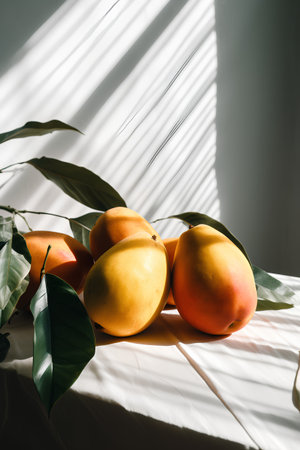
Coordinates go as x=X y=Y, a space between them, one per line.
x=128 y=285
x=114 y=225
x=212 y=282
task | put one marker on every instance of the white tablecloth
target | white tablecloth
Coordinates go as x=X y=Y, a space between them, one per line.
x=169 y=387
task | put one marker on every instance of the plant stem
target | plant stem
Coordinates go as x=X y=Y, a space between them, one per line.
x=25 y=220
x=44 y=263
x=7 y=208
x=25 y=211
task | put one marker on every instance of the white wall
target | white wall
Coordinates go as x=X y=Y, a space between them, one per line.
x=140 y=78
x=257 y=149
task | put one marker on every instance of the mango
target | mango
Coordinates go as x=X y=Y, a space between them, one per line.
x=128 y=285
x=212 y=282
x=114 y=225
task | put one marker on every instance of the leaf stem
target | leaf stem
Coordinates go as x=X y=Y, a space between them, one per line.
x=12 y=165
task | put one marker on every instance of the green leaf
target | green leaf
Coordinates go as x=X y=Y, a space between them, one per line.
x=4 y=346
x=271 y=293
x=64 y=339
x=6 y=313
x=296 y=388
x=14 y=267
x=19 y=245
x=35 y=129
x=82 y=233
x=79 y=183
x=195 y=218
x=6 y=230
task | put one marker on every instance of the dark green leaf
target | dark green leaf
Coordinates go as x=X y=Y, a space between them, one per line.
x=296 y=388
x=14 y=267
x=195 y=218
x=82 y=232
x=271 y=293
x=4 y=346
x=79 y=183
x=35 y=129
x=64 y=340
x=19 y=245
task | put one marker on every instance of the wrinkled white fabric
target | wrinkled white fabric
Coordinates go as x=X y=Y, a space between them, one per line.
x=170 y=385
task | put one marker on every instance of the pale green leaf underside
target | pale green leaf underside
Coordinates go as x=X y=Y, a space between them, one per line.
x=272 y=293
x=81 y=233
x=35 y=129
x=14 y=267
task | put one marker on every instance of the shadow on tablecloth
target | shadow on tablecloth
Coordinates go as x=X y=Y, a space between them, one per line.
x=80 y=422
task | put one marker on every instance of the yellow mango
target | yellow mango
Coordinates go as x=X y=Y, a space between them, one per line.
x=128 y=285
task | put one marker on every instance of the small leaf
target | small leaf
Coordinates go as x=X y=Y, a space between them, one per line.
x=4 y=346
x=64 y=340
x=81 y=233
x=271 y=293
x=79 y=183
x=195 y=218
x=296 y=388
x=265 y=305
x=14 y=267
x=36 y=129
x=19 y=244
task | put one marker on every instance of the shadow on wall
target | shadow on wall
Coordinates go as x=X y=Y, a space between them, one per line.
x=139 y=79
x=18 y=21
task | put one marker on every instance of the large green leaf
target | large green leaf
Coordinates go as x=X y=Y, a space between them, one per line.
x=271 y=293
x=14 y=267
x=79 y=183
x=82 y=225
x=64 y=339
x=4 y=346
x=35 y=129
